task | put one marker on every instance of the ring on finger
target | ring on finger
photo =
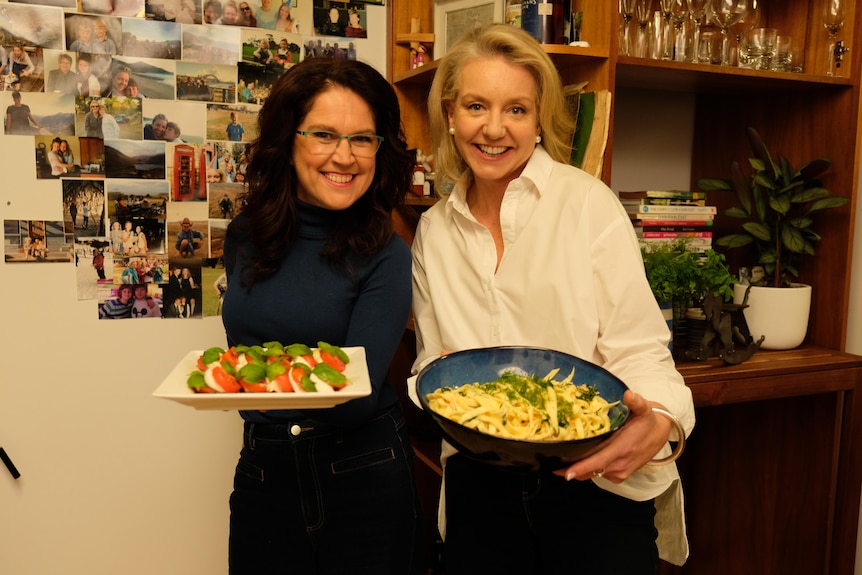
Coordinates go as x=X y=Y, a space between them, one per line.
x=599 y=472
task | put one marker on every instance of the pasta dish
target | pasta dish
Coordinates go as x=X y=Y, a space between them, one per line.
x=526 y=407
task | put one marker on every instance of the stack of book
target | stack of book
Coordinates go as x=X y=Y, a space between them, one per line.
x=662 y=216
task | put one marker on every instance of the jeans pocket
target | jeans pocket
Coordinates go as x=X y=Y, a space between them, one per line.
x=249 y=470
x=363 y=460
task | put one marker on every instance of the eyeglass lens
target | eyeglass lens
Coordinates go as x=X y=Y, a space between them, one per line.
x=324 y=143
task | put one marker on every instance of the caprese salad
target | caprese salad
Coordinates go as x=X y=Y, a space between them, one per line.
x=271 y=367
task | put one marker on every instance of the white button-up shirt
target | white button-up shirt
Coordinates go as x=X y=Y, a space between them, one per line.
x=572 y=279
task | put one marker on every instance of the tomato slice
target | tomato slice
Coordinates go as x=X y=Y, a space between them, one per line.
x=283 y=382
x=230 y=356
x=332 y=360
x=225 y=380
x=258 y=387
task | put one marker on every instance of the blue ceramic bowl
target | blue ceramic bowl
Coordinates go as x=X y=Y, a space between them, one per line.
x=487 y=364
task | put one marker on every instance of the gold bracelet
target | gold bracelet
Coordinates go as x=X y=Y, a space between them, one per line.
x=680 y=445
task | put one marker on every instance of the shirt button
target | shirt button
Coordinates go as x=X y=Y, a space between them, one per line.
x=295 y=430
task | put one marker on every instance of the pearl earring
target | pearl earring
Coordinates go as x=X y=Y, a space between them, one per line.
x=538 y=139
x=451 y=131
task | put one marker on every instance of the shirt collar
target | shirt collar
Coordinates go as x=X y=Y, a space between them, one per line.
x=533 y=178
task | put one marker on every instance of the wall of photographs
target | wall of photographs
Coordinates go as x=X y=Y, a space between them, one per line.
x=137 y=117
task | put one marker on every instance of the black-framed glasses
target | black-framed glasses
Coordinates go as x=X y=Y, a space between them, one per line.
x=323 y=143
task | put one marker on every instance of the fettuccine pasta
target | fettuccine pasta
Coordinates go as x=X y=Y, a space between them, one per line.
x=526 y=407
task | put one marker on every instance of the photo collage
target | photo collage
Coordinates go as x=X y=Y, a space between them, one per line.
x=144 y=113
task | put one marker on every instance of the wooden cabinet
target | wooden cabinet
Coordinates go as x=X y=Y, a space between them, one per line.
x=772 y=470
x=797 y=473
x=800 y=115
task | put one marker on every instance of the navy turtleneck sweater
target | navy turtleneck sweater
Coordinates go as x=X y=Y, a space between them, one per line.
x=307 y=301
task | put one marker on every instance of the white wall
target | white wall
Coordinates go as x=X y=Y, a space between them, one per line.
x=112 y=480
x=648 y=152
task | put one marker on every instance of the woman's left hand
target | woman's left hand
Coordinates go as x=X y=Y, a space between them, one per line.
x=630 y=448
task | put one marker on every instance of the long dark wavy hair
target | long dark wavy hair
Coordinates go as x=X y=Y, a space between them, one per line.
x=269 y=215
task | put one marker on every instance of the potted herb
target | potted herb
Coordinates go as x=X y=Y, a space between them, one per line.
x=776 y=206
x=680 y=279
x=678 y=274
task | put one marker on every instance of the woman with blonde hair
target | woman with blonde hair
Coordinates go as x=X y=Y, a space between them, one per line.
x=519 y=210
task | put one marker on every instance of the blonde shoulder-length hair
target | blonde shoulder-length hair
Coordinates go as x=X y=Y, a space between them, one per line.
x=518 y=48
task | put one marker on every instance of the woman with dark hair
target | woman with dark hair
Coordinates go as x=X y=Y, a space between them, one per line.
x=313 y=257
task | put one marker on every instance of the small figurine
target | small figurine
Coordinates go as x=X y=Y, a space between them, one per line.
x=418 y=56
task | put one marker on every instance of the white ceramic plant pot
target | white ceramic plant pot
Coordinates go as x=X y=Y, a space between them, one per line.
x=779 y=314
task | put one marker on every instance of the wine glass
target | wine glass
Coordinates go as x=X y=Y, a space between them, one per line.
x=643 y=14
x=833 y=21
x=678 y=15
x=627 y=11
x=724 y=14
x=666 y=29
x=697 y=9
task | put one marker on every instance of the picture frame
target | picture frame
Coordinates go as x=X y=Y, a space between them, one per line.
x=452 y=18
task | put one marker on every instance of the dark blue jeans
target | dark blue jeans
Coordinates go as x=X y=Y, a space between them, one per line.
x=498 y=521
x=311 y=498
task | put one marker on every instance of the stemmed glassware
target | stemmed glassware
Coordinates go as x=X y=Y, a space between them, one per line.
x=679 y=14
x=724 y=14
x=627 y=11
x=697 y=9
x=643 y=14
x=833 y=21
x=666 y=29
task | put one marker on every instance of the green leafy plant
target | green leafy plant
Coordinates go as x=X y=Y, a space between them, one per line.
x=677 y=274
x=777 y=203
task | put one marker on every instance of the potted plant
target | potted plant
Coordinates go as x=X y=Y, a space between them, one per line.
x=777 y=205
x=680 y=279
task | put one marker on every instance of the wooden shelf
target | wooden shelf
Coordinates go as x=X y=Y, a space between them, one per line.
x=412 y=200
x=768 y=375
x=704 y=78
x=564 y=55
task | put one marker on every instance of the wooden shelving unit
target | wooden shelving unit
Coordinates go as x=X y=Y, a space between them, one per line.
x=801 y=116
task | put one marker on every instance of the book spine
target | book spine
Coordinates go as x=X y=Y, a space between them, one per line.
x=700 y=225
x=640 y=209
x=673 y=219
x=691 y=243
x=674 y=229
x=649 y=235
x=662 y=202
x=670 y=194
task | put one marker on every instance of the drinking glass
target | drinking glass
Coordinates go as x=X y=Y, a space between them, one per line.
x=643 y=14
x=783 y=60
x=627 y=11
x=724 y=14
x=833 y=21
x=759 y=48
x=678 y=16
x=697 y=9
x=749 y=21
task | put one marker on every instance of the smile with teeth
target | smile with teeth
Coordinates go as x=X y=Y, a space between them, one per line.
x=338 y=178
x=492 y=150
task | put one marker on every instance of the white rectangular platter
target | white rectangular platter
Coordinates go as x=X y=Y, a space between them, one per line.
x=175 y=388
